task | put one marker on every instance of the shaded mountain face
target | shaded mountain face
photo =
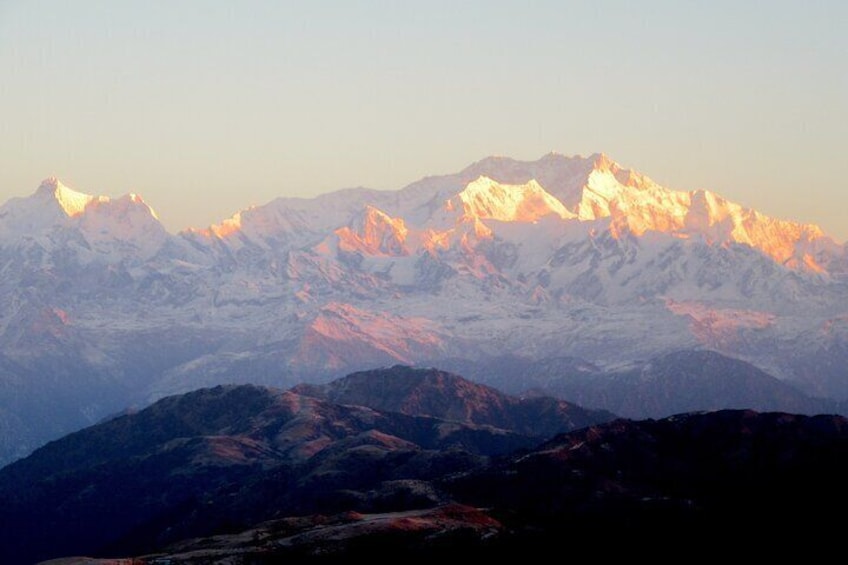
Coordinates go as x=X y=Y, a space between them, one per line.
x=431 y=392
x=221 y=458
x=263 y=476
x=559 y=257
x=720 y=482
x=687 y=381
x=682 y=381
x=713 y=479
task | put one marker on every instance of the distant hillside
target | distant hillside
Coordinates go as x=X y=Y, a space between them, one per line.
x=687 y=381
x=431 y=392
x=223 y=458
x=682 y=381
x=247 y=474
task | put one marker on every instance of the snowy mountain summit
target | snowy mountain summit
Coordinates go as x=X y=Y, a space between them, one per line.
x=103 y=224
x=596 y=189
x=563 y=256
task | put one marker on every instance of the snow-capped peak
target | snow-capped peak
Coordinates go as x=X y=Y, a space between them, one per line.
x=73 y=203
x=484 y=197
x=136 y=199
x=374 y=232
x=602 y=162
x=111 y=227
x=487 y=199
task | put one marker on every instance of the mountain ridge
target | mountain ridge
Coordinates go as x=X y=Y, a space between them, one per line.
x=588 y=190
x=106 y=309
x=245 y=473
x=193 y=463
x=500 y=169
x=451 y=397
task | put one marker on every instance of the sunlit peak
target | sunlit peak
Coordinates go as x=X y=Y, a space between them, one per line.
x=134 y=199
x=226 y=228
x=602 y=162
x=73 y=203
x=485 y=198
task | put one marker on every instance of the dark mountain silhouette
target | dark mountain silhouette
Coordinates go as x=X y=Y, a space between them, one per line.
x=246 y=474
x=221 y=458
x=730 y=482
x=719 y=481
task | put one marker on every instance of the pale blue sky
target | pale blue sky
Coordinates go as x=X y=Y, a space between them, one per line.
x=207 y=107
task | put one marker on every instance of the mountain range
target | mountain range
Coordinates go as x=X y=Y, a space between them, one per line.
x=227 y=457
x=575 y=258
x=247 y=474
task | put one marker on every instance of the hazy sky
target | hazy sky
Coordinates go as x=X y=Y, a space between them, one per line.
x=207 y=107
